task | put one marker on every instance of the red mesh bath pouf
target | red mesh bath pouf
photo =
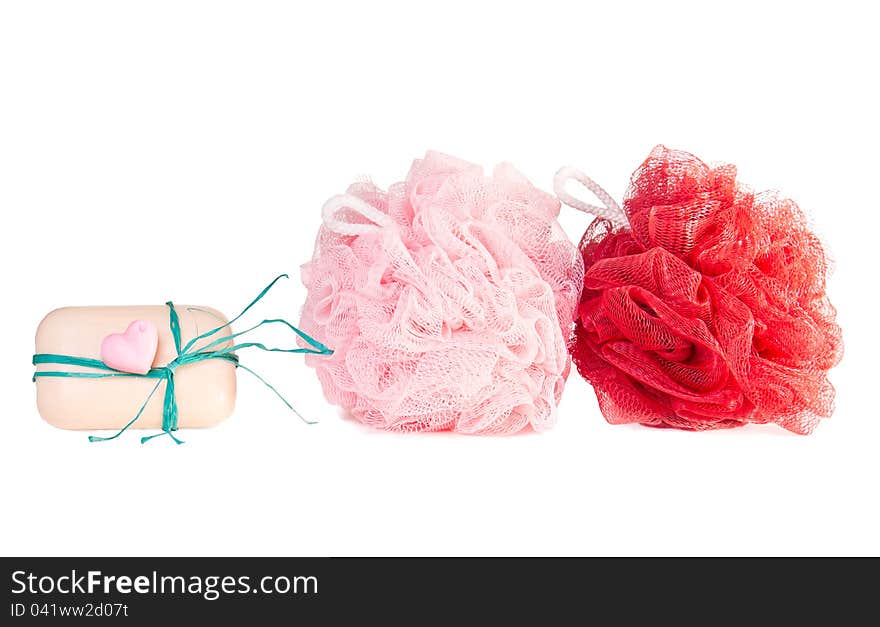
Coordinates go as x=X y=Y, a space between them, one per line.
x=704 y=303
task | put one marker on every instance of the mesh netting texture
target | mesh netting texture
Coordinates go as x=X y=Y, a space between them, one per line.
x=452 y=309
x=710 y=310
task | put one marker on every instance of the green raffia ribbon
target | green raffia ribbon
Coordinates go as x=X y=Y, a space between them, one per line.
x=185 y=355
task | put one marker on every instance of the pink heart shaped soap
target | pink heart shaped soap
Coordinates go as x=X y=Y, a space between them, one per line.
x=132 y=351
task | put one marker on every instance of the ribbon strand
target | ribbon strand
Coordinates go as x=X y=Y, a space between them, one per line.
x=185 y=356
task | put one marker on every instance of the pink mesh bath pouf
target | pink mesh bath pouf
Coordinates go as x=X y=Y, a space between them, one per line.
x=704 y=303
x=448 y=300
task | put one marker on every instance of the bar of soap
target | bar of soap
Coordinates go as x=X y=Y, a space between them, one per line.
x=205 y=390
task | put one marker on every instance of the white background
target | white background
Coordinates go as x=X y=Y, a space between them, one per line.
x=155 y=151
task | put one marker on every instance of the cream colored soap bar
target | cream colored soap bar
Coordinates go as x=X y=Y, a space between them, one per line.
x=205 y=391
